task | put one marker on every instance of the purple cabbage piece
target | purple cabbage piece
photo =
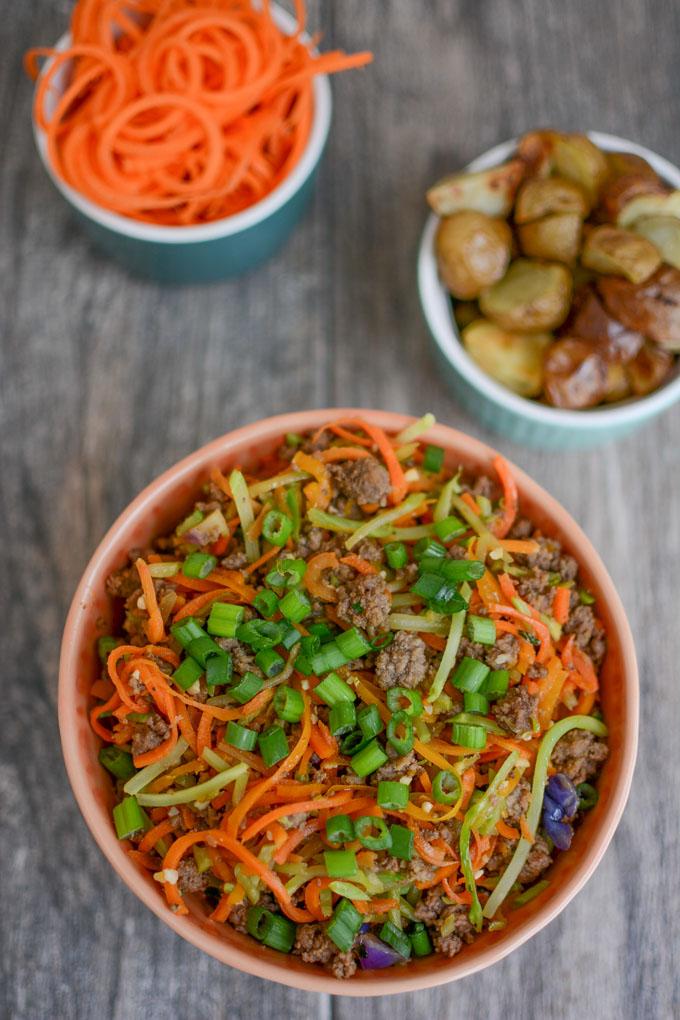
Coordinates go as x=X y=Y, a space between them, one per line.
x=552 y=810
x=374 y=954
x=560 y=833
x=561 y=791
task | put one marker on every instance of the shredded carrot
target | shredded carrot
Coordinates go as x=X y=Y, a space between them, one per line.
x=320 y=804
x=503 y=523
x=489 y=589
x=264 y=558
x=203 y=733
x=560 y=605
x=322 y=742
x=540 y=629
x=312 y=900
x=505 y=830
x=507 y=586
x=359 y=564
x=185 y=115
x=525 y=830
x=379 y=437
x=153 y=836
x=343 y=433
x=434 y=641
x=440 y=874
x=154 y=628
x=318 y=492
x=375 y=906
x=334 y=453
x=470 y=500
x=586 y=677
x=227 y=902
x=425 y=849
x=195 y=607
x=526 y=546
x=313 y=578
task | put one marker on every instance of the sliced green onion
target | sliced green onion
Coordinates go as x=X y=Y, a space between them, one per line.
x=246 y=515
x=429 y=548
x=198 y=565
x=474 y=702
x=288 y=704
x=187 y=673
x=374 y=524
x=368 y=759
x=266 y=603
x=428 y=585
x=333 y=689
x=128 y=818
x=585 y=598
x=481 y=630
x=448 y=656
x=151 y=772
x=396 y=938
x=245 y=689
x=203 y=648
x=587 y=796
x=470 y=674
x=224 y=619
x=555 y=733
x=277 y=527
x=396 y=697
x=352 y=644
x=396 y=555
x=273 y=930
x=400 y=721
x=462 y=570
x=287 y=573
x=339 y=829
x=392 y=795
x=420 y=940
x=218 y=671
x=291 y=636
x=200 y=792
x=402 y=842
x=273 y=745
x=270 y=662
x=118 y=762
x=344 y=925
x=531 y=893
x=240 y=737
x=474 y=719
x=186 y=631
x=433 y=459
x=354 y=742
x=342 y=719
x=468 y=736
x=295 y=606
x=446 y=788
x=365 y=827
x=105 y=646
x=327 y=658
x=496 y=684
x=260 y=633
x=340 y=863
x=449 y=528
x=293 y=504
x=369 y=720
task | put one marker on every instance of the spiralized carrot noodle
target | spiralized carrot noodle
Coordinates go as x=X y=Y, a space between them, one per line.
x=178 y=112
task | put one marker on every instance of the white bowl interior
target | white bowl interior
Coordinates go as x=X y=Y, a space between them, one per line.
x=438 y=312
x=321 y=122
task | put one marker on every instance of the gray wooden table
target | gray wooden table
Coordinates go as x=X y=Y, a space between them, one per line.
x=106 y=380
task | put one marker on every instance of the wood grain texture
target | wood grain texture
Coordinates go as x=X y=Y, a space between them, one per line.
x=105 y=381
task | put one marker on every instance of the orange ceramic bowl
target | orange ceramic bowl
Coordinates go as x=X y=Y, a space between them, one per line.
x=156 y=511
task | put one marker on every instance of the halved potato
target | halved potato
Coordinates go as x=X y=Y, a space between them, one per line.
x=541 y=196
x=574 y=374
x=664 y=234
x=535 y=149
x=488 y=191
x=649 y=369
x=651 y=308
x=667 y=204
x=589 y=320
x=618 y=192
x=532 y=297
x=578 y=159
x=624 y=163
x=618 y=383
x=556 y=237
x=465 y=312
x=513 y=359
x=616 y=252
x=473 y=251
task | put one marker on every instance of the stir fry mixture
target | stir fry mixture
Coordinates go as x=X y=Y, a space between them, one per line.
x=352 y=706
x=564 y=267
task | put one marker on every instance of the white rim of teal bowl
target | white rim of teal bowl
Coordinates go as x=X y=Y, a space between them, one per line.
x=321 y=122
x=438 y=313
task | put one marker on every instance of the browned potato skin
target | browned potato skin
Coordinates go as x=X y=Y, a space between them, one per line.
x=651 y=308
x=556 y=237
x=618 y=383
x=541 y=196
x=487 y=191
x=649 y=369
x=619 y=191
x=531 y=311
x=623 y=163
x=513 y=359
x=612 y=251
x=575 y=376
x=590 y=321
x=535 y=149
x=473 y=252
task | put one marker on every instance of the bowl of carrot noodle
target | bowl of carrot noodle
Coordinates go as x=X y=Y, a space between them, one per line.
x=255 y=468
x=185 y=135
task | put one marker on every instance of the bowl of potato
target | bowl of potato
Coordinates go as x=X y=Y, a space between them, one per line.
x=549 y=276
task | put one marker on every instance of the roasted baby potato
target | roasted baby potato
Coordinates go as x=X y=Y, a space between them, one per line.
x=513 y=359
x=576 y=158
x=618 y=192
x=473 y=251
x=649 y=369
x=651 y=308
x=490 y=191
x=556 y=237
x=666 y=204
x=575 y=376
x=535 y=149
x=664 y=234
x=618 y=383
x=621 y=164
x=541 y=196
x=590 y=321
x=532 y=297
x=616 y=252
x=465 y=312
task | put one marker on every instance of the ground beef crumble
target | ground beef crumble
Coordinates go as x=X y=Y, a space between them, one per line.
x=365 y=480
x=515 y=710
x=149 y=734
x=365 y=602
x=403 y=663
x=579 y=754
x=538 y=859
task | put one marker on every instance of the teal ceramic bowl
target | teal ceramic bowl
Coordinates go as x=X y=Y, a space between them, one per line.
x=213 y=251
x=519 y=419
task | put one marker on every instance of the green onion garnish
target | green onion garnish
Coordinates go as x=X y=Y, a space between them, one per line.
x=402 y=842
x=468 y=736
x=246 y=688
x=105 y=646
x=186 y=631
x=587 y=796
x=224 y=619
x=333 y=689
x=450 y=528
x=339 y=829
x=370 y=723
x=396 y=938
x=400 y=732
x=481 y=629
x=198 y=565
x=433 y=459
x=128 y=818
x=496 y=684
x=420 y=940
x=396 y=697
x=340 y=863
x=474 y=702
x=342 y=719
x=368 y=759
x=352 y=644
x=396 y=555
x=270 y=662
x=470 y=674
x=295 y=606
x=344 y=925
x=118 y=762
x=266 y=603
x=240 y=737
x=372 y=833
x=392 y=795
x=203 y=648
x=218 y=671
x=277 y=527
x=273 y=930
x=446 y=788
x=187 y=673
x=288 y=704
x=273 y=745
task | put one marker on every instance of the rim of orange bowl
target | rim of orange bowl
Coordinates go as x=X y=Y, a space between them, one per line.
x=99 y=823
x=436 y=305
x=229 y=225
